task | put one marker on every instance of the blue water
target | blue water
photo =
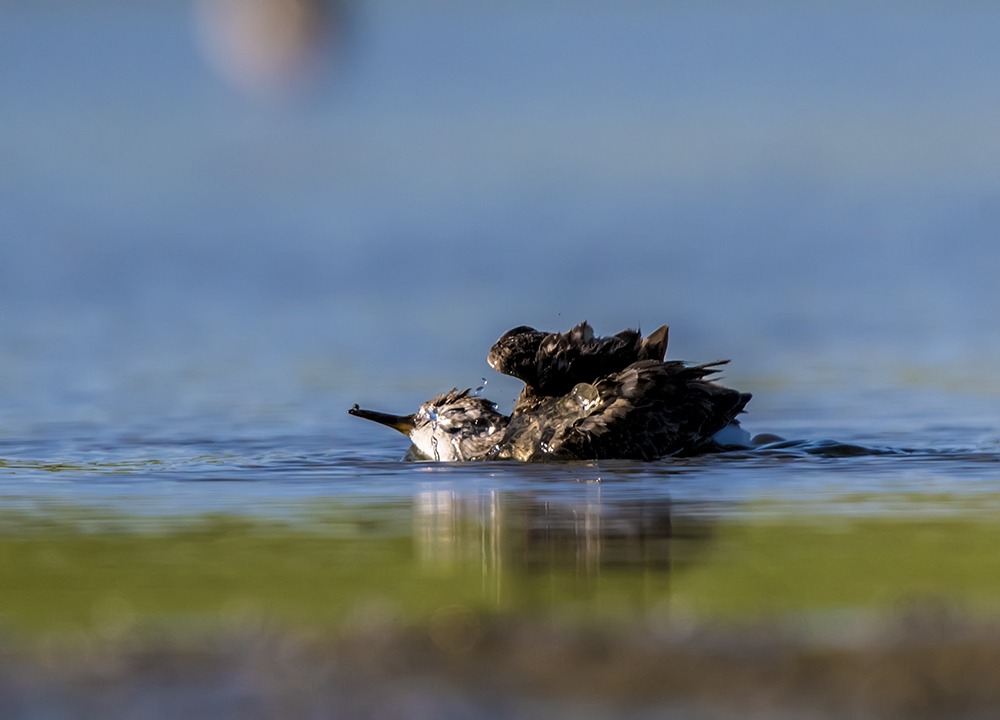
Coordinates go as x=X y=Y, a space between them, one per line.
x=196 y=283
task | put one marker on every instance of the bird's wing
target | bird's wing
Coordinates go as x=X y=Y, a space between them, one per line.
x=565 y=359
x=654 y=345
x=652 y=409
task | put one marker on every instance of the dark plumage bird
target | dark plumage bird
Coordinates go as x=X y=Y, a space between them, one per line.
x=585 y=398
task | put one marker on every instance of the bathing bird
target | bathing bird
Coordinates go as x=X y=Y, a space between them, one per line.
x=585 y=398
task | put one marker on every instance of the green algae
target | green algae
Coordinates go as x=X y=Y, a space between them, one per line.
x=343 y=564
x=771 y=568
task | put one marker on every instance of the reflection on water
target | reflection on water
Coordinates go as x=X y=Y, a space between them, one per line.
x=508 y=536
x=484 y=551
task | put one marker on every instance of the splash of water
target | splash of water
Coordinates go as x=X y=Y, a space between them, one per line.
x=479 y=390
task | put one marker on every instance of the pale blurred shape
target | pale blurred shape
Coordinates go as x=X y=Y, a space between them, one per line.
x=265 y=48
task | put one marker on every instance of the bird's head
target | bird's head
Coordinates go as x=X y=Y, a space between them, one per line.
x=453 y=426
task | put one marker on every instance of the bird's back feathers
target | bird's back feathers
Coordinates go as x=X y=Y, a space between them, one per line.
x=649 y=410
x=653 y=409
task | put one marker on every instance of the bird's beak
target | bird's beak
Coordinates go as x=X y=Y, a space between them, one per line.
x=402 y=423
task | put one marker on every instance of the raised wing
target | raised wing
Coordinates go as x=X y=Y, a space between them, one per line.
x=550 y=364
x=576 y=356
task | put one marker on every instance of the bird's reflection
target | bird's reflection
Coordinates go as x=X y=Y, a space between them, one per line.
x=513 y=539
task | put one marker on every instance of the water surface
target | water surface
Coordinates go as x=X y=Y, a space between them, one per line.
x=197 y=283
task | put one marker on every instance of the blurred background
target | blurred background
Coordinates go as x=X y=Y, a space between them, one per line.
x=222 y=222
x=236 y=206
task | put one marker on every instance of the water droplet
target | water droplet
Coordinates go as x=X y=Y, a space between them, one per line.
x=586 y=396
x=434 y=448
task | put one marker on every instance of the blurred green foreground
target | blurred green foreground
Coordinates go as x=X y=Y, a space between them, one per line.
x=512 y=597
